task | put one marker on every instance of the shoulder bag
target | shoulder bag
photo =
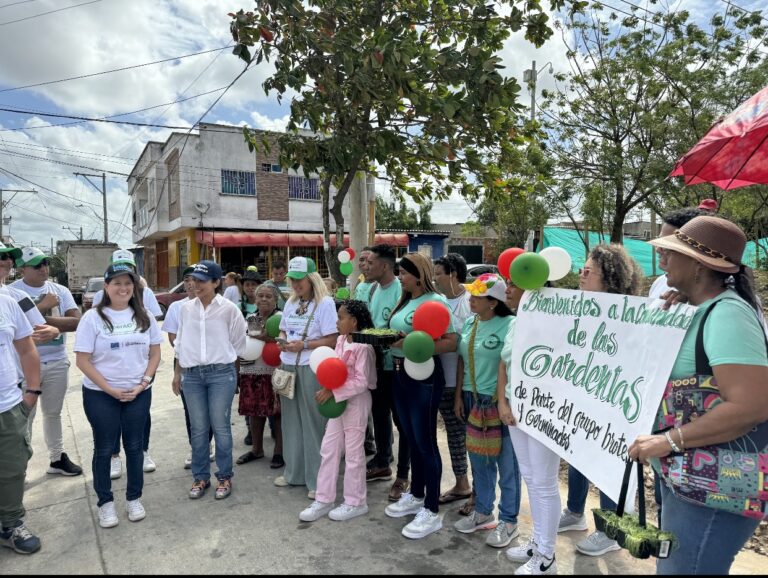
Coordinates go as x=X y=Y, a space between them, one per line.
x=730 y=476
x=484 y=427
x=284 y=382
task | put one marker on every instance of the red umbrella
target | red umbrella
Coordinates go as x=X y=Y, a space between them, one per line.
x=734 y=153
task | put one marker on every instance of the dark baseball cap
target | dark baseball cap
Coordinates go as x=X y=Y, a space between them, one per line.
x=207 y=271
x=118 y=269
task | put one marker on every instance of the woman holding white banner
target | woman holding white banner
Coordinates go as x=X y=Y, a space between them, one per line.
x=724 y=355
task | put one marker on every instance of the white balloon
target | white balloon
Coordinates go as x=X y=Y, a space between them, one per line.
x=420 y=371
x=319 y=355
x=344 y=257
x=559 y=262
x=253 y=348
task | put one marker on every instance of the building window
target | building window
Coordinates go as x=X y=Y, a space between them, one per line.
x=303 y=189
x=268 y=168
x=238 y=183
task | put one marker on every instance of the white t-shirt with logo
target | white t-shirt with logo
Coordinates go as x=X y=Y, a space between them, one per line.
x=13 y=326
x=55 y=349
x=460 y=312
x=120 y=355
x=323 y=323
x=147 y=296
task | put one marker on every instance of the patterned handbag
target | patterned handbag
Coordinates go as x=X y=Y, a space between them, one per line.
x=484 y=427
x=730 y=476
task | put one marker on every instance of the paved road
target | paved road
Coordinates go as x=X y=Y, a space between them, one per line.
x=256 y=530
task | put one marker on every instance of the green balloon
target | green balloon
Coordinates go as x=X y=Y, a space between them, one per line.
x=273 y=325
x=332 y=408
x=418 y=346
x=342 y=293
x=529 y=271
x=346 y=269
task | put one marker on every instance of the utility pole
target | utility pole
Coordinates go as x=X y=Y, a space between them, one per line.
x=80 y=237
x=103 y=192
x=530 y=77
x=4 y=203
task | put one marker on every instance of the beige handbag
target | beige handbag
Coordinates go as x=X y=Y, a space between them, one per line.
x=284 y=382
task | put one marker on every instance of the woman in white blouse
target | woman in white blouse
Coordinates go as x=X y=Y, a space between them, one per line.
x=118 y=350
x=308 y=322
x=210 y=338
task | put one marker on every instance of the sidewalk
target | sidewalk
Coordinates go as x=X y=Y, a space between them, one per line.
x=256 y=530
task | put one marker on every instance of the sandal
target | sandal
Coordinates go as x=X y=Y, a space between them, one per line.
x=452 y=496
x=277 y=462
x=248 y=456
x=468 y=507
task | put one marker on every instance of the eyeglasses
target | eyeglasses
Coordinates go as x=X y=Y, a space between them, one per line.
x=5 y=257
x=585 y=271
x=43 y=263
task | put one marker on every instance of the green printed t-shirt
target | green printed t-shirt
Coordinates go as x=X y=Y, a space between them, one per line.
x=382 y=304
x=363 y=292
x=489 y=340
x=403 y=319
x=732 y=334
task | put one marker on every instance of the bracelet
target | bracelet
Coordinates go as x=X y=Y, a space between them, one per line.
x=306 y=344
x=680 y=433
x=147 y=378
x=672 y=444
x=33 y=391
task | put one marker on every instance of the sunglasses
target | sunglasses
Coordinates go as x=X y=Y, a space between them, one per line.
x=5 y=257
x=584 y=272
x=43 y=263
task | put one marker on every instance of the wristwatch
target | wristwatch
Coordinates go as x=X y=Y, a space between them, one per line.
x=306 y=344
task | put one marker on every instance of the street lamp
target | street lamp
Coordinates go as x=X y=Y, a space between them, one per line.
x=530 y=75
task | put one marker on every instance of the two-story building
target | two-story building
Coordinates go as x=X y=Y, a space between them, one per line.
x=204 y=195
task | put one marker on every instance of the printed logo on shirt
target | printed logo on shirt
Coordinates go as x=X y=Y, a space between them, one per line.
x=114 y=345
x=386 y=313
x=121 y=328
x=492 y=342
x=409 y=319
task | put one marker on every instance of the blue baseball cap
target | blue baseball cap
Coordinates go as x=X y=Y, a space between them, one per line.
x=207 y=271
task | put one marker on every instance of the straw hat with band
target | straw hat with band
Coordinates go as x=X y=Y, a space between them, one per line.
x=714 y=242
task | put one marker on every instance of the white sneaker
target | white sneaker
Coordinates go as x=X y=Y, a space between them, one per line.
x=108 y=515
x=347 y=512
x=115 y=467
x=475 y=521
x=188 y=462
x=149 y=463
x=135 y=510
x=521 y=553
x=405 y=506
x=425 y=523
x=311 y=494
x=281 y=482
x=570 y=521
x=538 y=565
x=315 y=511
x=597 y=544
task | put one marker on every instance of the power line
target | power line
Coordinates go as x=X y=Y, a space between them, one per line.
x=87 y=119
x=63 y=163
x=15 y=3
x=113 y=70
x=49 y=12
x=46 y=188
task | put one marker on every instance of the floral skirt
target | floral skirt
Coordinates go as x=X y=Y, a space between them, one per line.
x=257 y=399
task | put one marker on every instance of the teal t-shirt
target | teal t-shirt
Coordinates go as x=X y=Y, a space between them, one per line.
x=489 y=340
x=384 y=300
x=732 y=334
x=363 y=292
x=403 y=319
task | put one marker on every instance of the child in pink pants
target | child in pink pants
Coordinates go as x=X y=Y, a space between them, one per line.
x=346 y=433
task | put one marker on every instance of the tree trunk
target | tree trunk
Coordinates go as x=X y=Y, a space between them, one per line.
x=332 y=253
x=617 y=228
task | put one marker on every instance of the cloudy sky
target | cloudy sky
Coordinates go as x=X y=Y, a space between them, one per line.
x=45 y=43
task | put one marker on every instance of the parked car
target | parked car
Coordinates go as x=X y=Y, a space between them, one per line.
x=165 y=298
x=474 y=271
x=93 y=286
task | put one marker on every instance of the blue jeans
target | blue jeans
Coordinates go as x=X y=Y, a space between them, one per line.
x=208 y=391
x=578 y=487
x=416 y=404
x=108 y=417
x=484 y=472
x=144 y=443
x=709 y=539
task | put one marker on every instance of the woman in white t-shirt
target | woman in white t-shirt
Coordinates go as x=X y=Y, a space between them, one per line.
x=118 y=350
x=308 y=322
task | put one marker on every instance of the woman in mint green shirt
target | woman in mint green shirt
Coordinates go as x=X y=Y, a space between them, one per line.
x=480 y=346
x=703 y=262
x=417 y=402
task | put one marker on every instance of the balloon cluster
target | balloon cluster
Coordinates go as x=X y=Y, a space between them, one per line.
x=331 y=372
x=531 y=271
x=269 y=352
x=430 y=321
x=346 y=267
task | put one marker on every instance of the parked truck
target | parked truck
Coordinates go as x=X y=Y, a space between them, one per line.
x=86 y=259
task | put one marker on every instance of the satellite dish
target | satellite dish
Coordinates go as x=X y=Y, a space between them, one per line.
x=202 y=208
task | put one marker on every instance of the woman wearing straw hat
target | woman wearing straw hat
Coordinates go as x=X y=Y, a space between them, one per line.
x=703 y=261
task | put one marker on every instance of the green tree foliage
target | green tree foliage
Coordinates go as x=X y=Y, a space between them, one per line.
x=398 y=216
x=409 y=90
x=643 y=89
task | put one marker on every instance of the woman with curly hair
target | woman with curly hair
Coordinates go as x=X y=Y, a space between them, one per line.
x=609 y=269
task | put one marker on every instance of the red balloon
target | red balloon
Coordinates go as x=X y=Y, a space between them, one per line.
x=271 y=354
x=351 y=252
x=505 y=260
x=331 y=373
x=432 y=317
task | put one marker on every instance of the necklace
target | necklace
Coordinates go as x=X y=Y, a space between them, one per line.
x=302 y=308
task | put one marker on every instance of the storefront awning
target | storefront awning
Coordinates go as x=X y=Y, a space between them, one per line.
x=248 y=239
